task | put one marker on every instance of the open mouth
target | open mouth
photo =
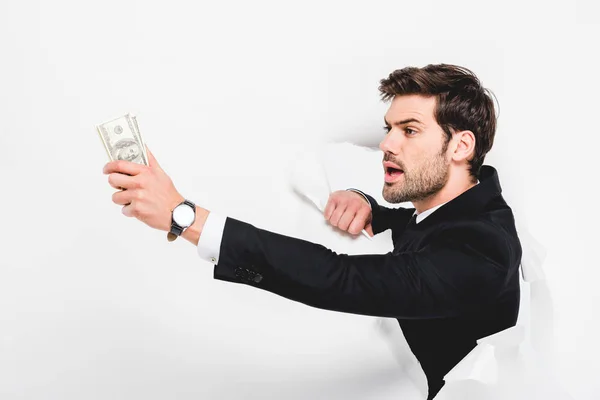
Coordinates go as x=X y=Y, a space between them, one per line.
x=393 y=171
x=392 y=174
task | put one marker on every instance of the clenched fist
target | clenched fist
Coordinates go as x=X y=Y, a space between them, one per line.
x=349 y=211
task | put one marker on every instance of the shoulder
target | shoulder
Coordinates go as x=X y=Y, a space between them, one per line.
x=480 y=236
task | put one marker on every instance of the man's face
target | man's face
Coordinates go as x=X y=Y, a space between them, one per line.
x=417 y=146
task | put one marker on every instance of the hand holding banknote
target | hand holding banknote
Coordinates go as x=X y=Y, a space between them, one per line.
x=146 y=191
x=149 y=193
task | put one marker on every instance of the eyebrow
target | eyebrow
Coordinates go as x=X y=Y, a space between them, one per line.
x=404 y=121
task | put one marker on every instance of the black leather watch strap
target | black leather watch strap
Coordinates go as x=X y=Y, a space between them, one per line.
x=176 y=229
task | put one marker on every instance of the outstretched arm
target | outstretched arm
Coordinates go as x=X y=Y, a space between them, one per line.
x=463 y=269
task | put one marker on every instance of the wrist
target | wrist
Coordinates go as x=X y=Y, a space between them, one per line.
x=365 y=198
x=193 y=232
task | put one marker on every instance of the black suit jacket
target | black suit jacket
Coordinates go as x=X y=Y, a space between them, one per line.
x=450 y=280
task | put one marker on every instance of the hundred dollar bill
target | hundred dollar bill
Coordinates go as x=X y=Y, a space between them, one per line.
x=122 y=140
x=137 y=130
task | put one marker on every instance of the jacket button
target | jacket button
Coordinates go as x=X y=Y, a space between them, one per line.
x=258 y=278
x=240 y=273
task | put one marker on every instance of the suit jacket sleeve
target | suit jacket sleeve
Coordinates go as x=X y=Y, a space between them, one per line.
x=463 y=267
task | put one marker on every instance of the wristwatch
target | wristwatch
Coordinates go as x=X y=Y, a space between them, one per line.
x=182 y=217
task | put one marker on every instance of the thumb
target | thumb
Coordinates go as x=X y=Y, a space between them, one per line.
x=151 y=159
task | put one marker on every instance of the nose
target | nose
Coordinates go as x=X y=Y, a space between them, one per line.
x=390 y=143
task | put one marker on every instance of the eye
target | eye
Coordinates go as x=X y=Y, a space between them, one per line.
x=410 y=130
x=387 y=128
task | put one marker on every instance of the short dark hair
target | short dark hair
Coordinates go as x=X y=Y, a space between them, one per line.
x=462 y=103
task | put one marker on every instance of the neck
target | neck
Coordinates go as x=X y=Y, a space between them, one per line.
x=452 y=189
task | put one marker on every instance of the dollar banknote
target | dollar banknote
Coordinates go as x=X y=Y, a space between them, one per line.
x=123 y=140
x=137 y=130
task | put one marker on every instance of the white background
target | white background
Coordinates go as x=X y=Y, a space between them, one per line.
x=95 y=305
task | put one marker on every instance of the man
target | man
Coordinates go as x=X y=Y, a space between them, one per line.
x=452 y=276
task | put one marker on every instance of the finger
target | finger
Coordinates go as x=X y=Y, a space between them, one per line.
x=127 y=210
x=346 y=219
x=123 y=167
x=359 y=221
x=123 y=197
x=123 y=182
x=329 y=208
x=337 y=214
x=369 y=229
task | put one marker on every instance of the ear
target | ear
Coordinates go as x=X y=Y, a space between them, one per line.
x=151 y=159
x=465 y=146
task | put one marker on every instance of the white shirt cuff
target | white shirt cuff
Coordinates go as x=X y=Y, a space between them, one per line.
x=209 y=244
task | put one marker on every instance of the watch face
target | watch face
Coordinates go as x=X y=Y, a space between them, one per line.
x=183 y=215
